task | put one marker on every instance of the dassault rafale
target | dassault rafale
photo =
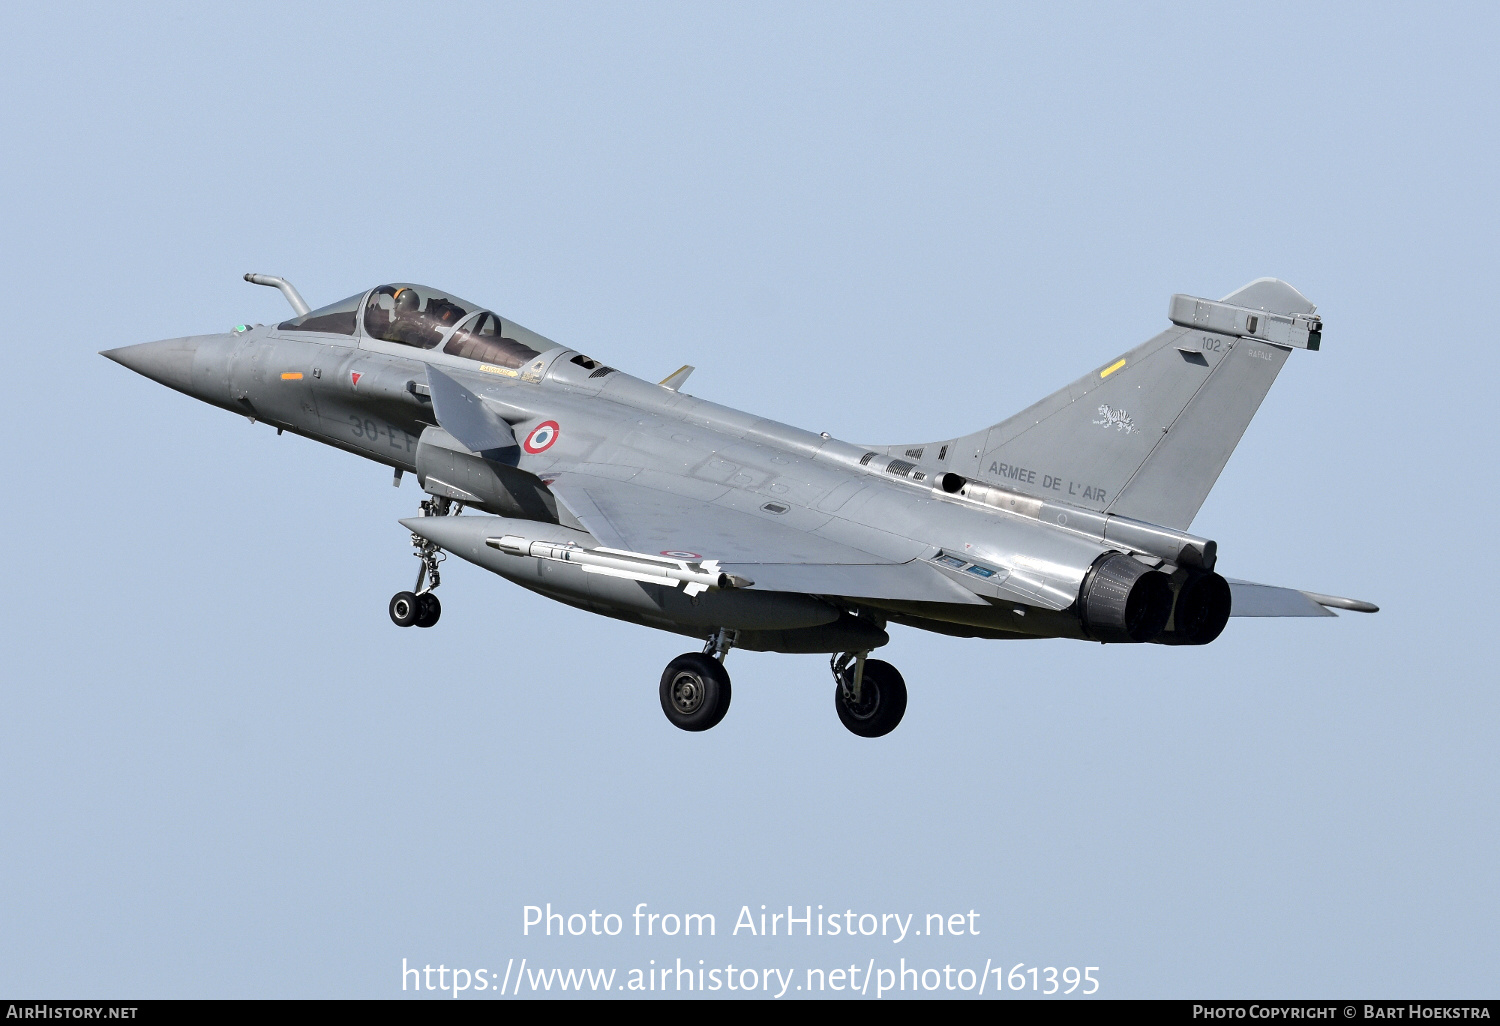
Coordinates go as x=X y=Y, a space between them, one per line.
x=632 y=499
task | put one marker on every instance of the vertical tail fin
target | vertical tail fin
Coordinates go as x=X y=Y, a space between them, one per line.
x=1147 y=434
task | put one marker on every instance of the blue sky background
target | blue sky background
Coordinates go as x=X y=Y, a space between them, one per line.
x=224 y=773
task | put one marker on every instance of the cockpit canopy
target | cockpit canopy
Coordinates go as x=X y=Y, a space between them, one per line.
x=335 y=319
x=412 y=315
x=424 y=318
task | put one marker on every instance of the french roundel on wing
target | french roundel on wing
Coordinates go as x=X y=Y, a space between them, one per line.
x=541 y=438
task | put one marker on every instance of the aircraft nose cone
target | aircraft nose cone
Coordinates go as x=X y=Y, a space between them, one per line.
x=169 y=362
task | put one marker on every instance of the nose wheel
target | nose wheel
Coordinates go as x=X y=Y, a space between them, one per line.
x=420 y=607
x=408 y=609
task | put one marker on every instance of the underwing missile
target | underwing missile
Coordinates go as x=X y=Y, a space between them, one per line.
x=697 y=576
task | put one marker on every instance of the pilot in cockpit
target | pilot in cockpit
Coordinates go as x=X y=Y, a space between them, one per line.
x=406 y=317
x=400 y=313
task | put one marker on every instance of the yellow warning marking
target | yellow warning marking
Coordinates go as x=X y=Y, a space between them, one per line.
x=506 y=371
x=1106 y=372
x=291 y=376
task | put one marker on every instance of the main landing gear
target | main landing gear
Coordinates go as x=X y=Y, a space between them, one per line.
x=420 y=607
x=869 y=694
x=695 y=687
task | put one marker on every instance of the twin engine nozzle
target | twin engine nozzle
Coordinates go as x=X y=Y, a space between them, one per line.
x=1124 y=600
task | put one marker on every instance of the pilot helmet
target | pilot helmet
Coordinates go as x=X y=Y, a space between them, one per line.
x=407 y=302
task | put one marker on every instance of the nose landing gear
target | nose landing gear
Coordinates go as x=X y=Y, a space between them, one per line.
x=403 y=609
x=412 y=609
x=420 y=607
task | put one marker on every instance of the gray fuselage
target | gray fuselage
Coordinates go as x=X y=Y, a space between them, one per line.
x=369 y=397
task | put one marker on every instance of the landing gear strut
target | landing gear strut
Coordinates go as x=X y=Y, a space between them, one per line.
x=869 y=694
x=695 y=687
x=420 y=607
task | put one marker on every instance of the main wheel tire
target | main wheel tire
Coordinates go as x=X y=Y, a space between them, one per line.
x=403 y=609
x=428 y=609
x=882 y=700
x=694 y=691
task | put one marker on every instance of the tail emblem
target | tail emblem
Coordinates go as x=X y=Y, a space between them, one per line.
x=1117 y=419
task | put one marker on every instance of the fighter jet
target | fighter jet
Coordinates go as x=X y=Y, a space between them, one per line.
x=632 y=499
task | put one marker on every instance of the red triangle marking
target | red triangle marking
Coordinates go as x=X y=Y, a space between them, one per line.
x=354 y=376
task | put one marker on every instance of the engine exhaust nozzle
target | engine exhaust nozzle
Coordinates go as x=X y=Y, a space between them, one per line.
x=1123 y=600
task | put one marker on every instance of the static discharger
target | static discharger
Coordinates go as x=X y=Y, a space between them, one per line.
x=698 y=576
